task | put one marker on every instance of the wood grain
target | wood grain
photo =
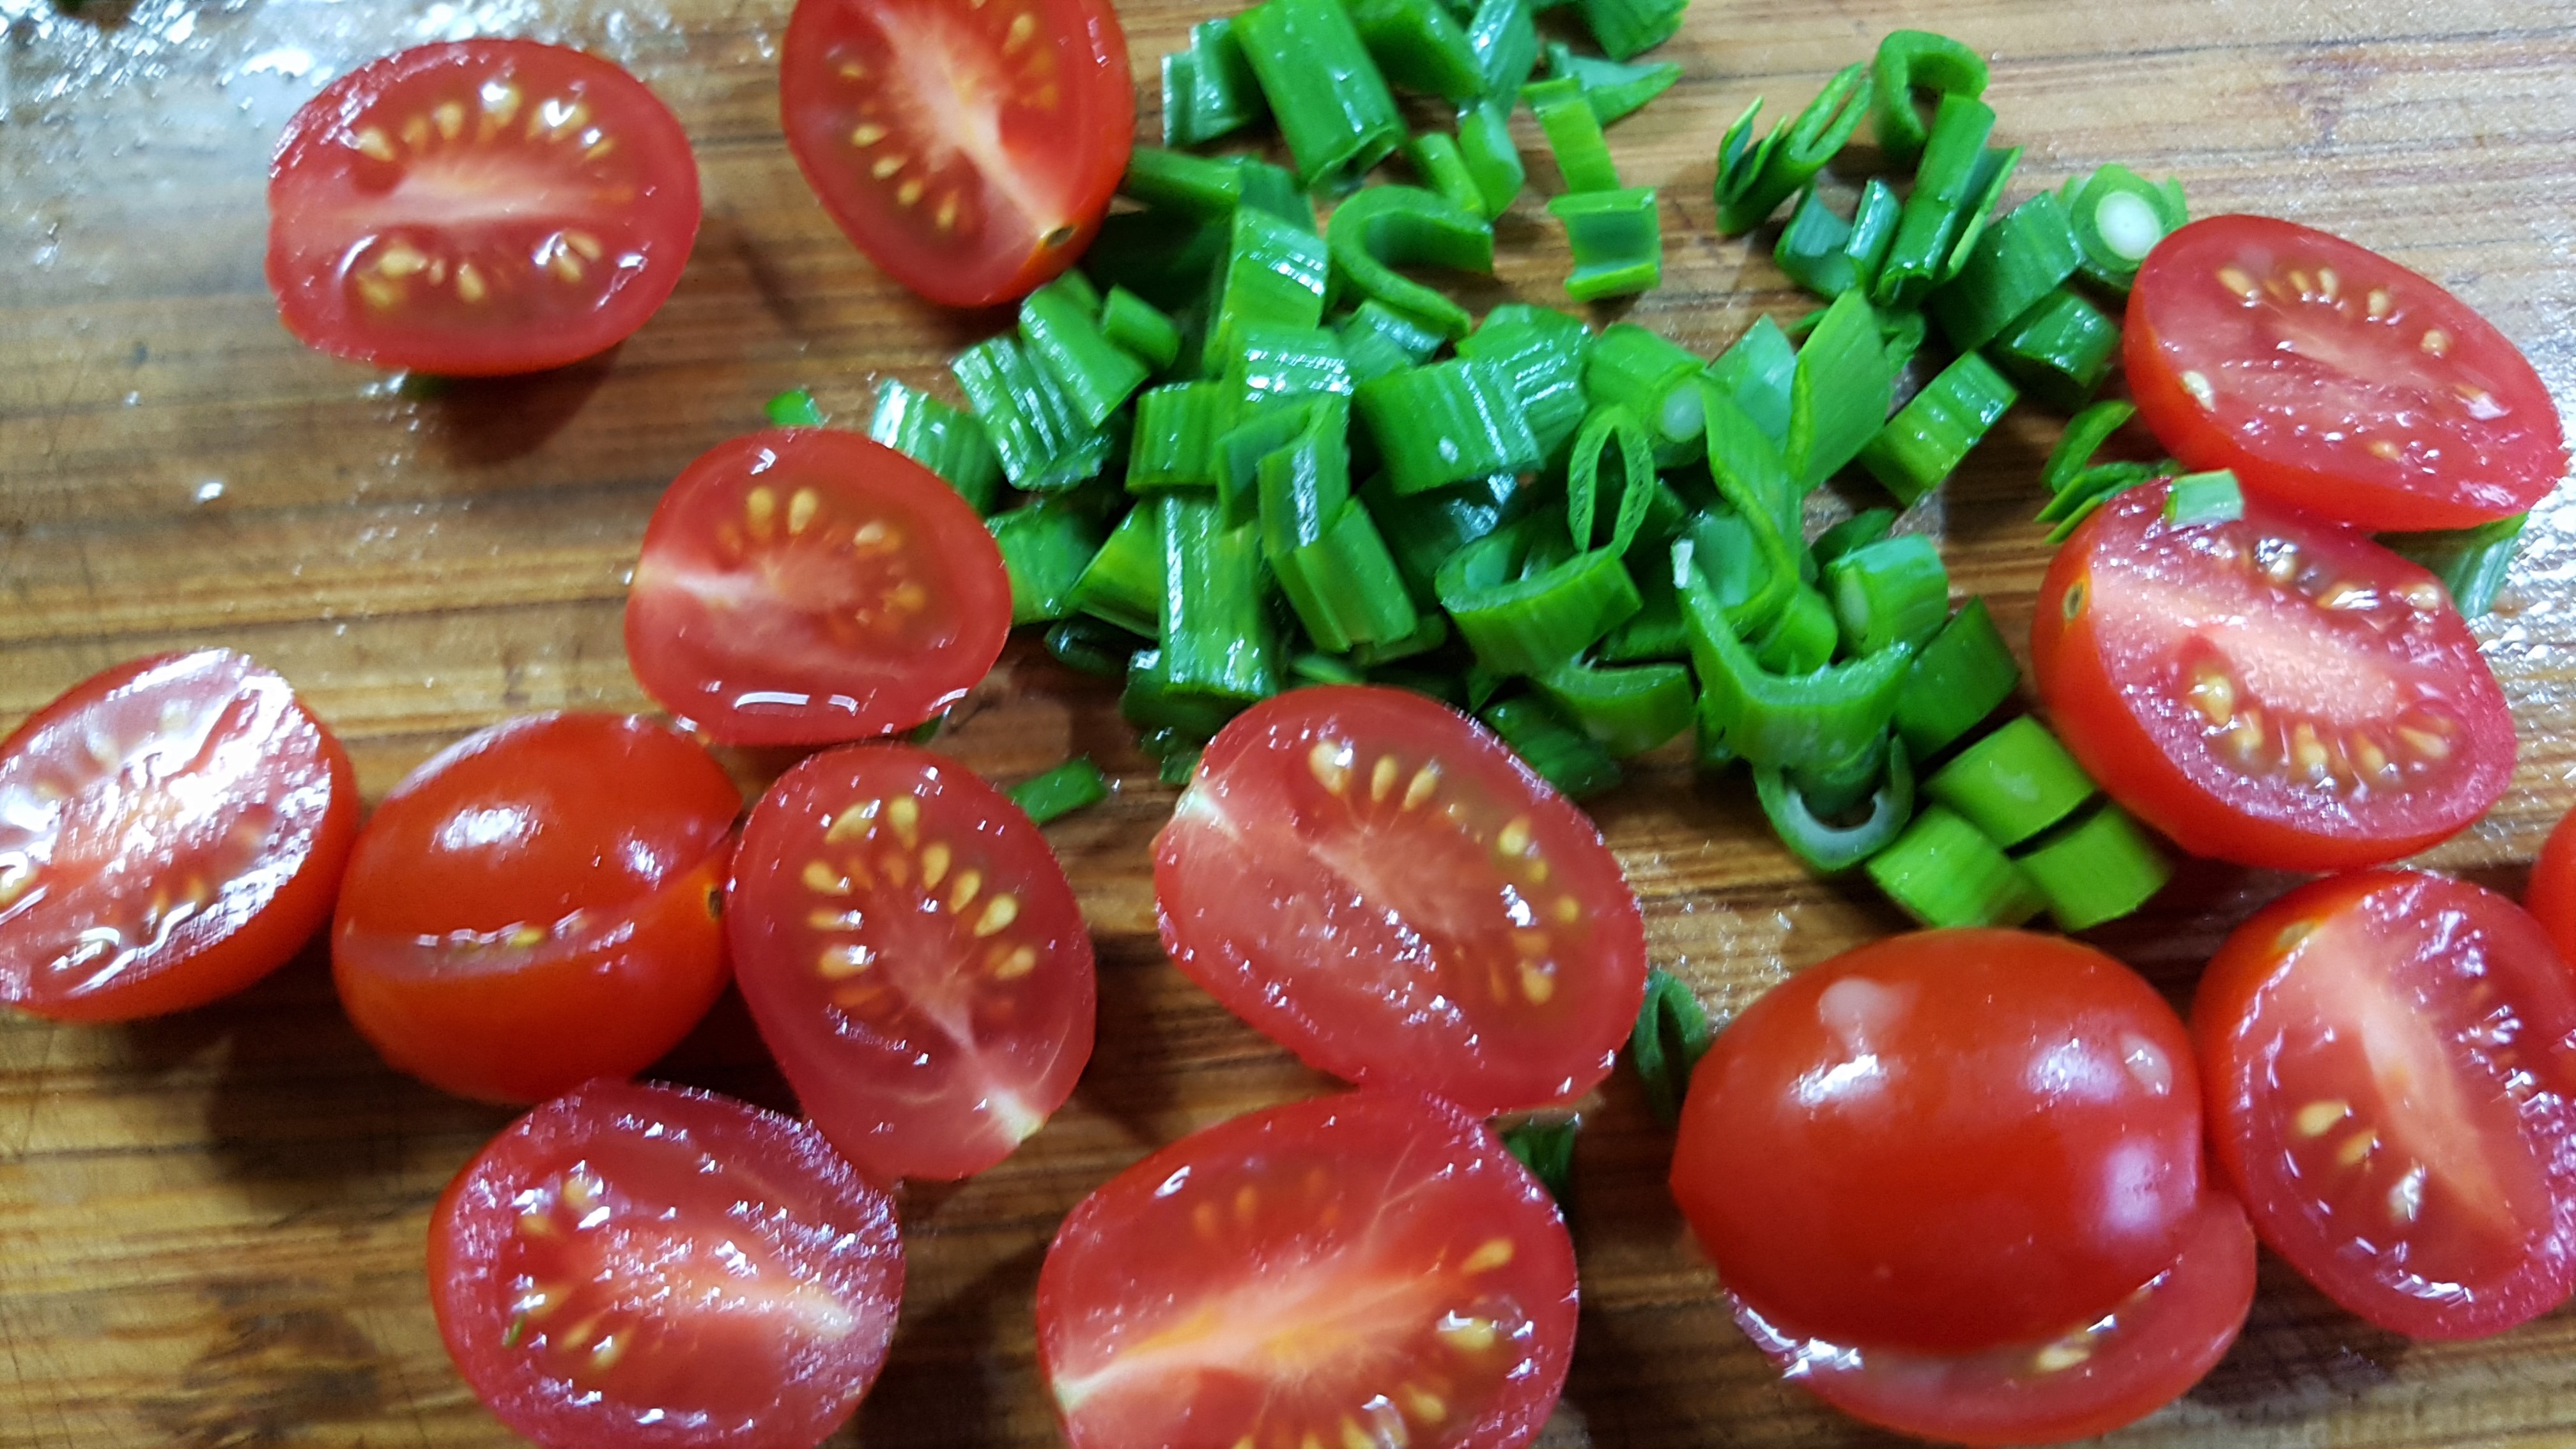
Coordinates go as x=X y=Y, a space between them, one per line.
x=211 y=1226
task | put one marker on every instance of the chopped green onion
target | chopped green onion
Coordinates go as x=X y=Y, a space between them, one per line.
x=1618 y=246
x=1485 y=141
x=1758 y=372
x=1802 y=639
x=1413 y=341
x=1943 y=873
x=2014 y=267
x=1671 y=1035
x=1095 y=375
x=1162 y=256
x=1042 y=441
x=1544 y=354
x=1302 y=484
x=1045 y=546
x=946 y=440
x=2091 y=489
x=1216 y=636
x=2118 y=218
x=1547 y=1150
x=2201 y=498
x=1202 y=186
x=1274 y=190
x=1814 y=720
x=1961 y=677
x=1839 y=393
x=1420 y=47
x=1626 y=27
x=1910 y=61
x=1573 y=134
x=1833 y=849
x=1209 y=89
x=794 y=408
x=1311 y=668
x=1562 y=755
x=2470 y=562
x=1873 y=231
x=1260 y=432
x=1092 y=647
x=1754 y=481
x=2060 y=350
x=1123 y=583
x=1605 y=427
x=1929 y=437
x=1787 y=159
x=1073 y=287
x=2014 y=783
x=1891 y=592
x=926 y=731
x=1447 y=423
x=1384 y=227
x=1333 y=106
x=1175 y=440
x=1653 y=377
x=1076 y=784
x=1814 y=248
x=1613 y=89
x=1344 y=586
x=1424 y=529
x=1630 y=709
x=1505 y=35
x=1654 y=634
x=1272 y=273
x=1858 y=531
x=1171 y=718
x=1433 y=633
x=2085 y=434
x=1140 y=329
x=2099 y=869
x=1524 y=607
x=1435 y=157
x=1271 y=363
x=1955 y=172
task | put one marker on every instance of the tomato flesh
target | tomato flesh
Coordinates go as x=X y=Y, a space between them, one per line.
x=914 y=957
x=2098 y=1375
x=538 y=906
x=2551 y=897
x=640 y=1265
x=970 y=151
x=1372 y=1268
x=805 y=586
x=1380 y=885
x=2391 y=1072
x=171 y=830
x=2271 y=691
x=1944 y=1142
x=479 y=207
x=2331 y=379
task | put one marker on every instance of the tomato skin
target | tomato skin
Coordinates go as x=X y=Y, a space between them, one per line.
x=772 y=1272
x=807 y=586
x=2440 y=1202
x=2551 y=896
x=1498 y=962
x=270 y=768
x=1944 y=1141
x=556 y=280
x=2134 y=608
x=2339 y=382
x=928 y=1025
x=1414 y=1276
x=1063 y=132
x=538 y=906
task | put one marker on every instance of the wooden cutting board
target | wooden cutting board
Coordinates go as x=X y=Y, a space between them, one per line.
x=211 y=1226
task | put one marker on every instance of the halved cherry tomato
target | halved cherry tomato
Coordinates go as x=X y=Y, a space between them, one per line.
x=969 y=150
x=2390 y=1062
x=477 y=207
x=914 y=957
x=1372 y=1268
x=639 y=1265
x=1380 y=885
x=2272 y=691
x=2334 y=380
x=2091 y=1379
x=170 y=831
x=539 y=905
x=2551 y=896
x=804 y=586
x=1944 y=1142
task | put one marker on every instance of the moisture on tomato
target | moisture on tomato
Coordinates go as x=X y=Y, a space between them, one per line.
x=914 y=957
x=171 y=830
x=1373 y=1268
x=539 y=905
x=805 y=586
x=2270 y=690
x=1944 y=1142
x=654 y=1268
x=969 y=149
x=477 y=207
x=2390 y=1066
x=2551 y=896
x=2331 y=379
x=1379 y=884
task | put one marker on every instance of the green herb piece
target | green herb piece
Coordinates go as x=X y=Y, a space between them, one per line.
x=1671 y=1035
x=2014 y=783
x=1209 y=90
x=2470 y=562
x=1944 y=873
x=1617 y=244
x=1910 y=61
x=946 y=440
x=1932 y=434
x=1077 y=784
x=1962 y=676
x=1333 y=107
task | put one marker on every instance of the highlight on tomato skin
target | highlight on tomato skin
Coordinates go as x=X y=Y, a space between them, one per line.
x=171 y=831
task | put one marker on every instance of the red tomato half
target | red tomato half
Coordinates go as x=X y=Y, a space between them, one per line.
x=804 y=586
x=170 y=831
x=654 y=1268
x=2391 y=1071
x=969 y=150
x=539 y=905
x=914 y=957
x=1365 y=1269
x=478 y=207
x=2271 y=691
x=1945 y=1142
x=2551 y=896
x=2334 y=380
x=1381 y=885
x=2089 y=1380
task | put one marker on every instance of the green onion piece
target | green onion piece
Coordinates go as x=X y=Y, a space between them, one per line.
x=1274 y=190
x=1525 y=609
x=1312 y=668
x=2085 y=434
x=1547 y=1150
x=1076 y=784
x=1671 y=1035
x=1544 y=354
x=1162 y=256
x=2060 y=350
x=1860 y=530
x=1091 y=647
x=1929 y=437
x=1407 y=335
x=1790 y=157
x=1943 y=873
x=1201 y=186
x=1072 y=286
x=2200 y=498
x=1814 y=248
x=1333 y=106
x=1272 y=273
x=1094 y=374
x=1873 y=231
x=2014 y=267
x=2100 y=869
x=1617 y=244
x=1573 y=134
x=1562 y=755
x=2118 y=218
x=794 y=408
x=1485 y=141
x=1802 y=639
x=1891 y=592
x=1655 y=378
x=1758 y=372
x=1904 y=333
x=1176 y=436
x=1985 y=193
x=1953 y=174
x=1258 y=433
x=1833 y=849
x=1042 y=442
x=1123 y=583
x=1605 y=427
x=1614 y=90
x=1433 y=632
x=2092 y=488
x=1140 y=329
x=1216 y=636
x=1171 y=718
x=1809 y=721
x=1741 y=560
x=2014 y=783
x=1625 y=28
x=1505 y=35
x=1424 y=529
x=2470 y=562
x=1209 y=90
x=926 y=731
x=1839 y=393
x=1045 y=547
x=1653 y=635
x=1962 y=676
x=1272 y=363
x=946 y=440
x=1420 y=47
x=1754 y=481
x=1910 y=61
x=1303 y=484
x=1344 y=586
x=1435 y=157
x=1629 y=710
x=1384 y=227
x=1447 y=423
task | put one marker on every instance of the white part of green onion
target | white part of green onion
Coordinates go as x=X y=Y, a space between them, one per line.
x=1682 y=416
x=2128 y=224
